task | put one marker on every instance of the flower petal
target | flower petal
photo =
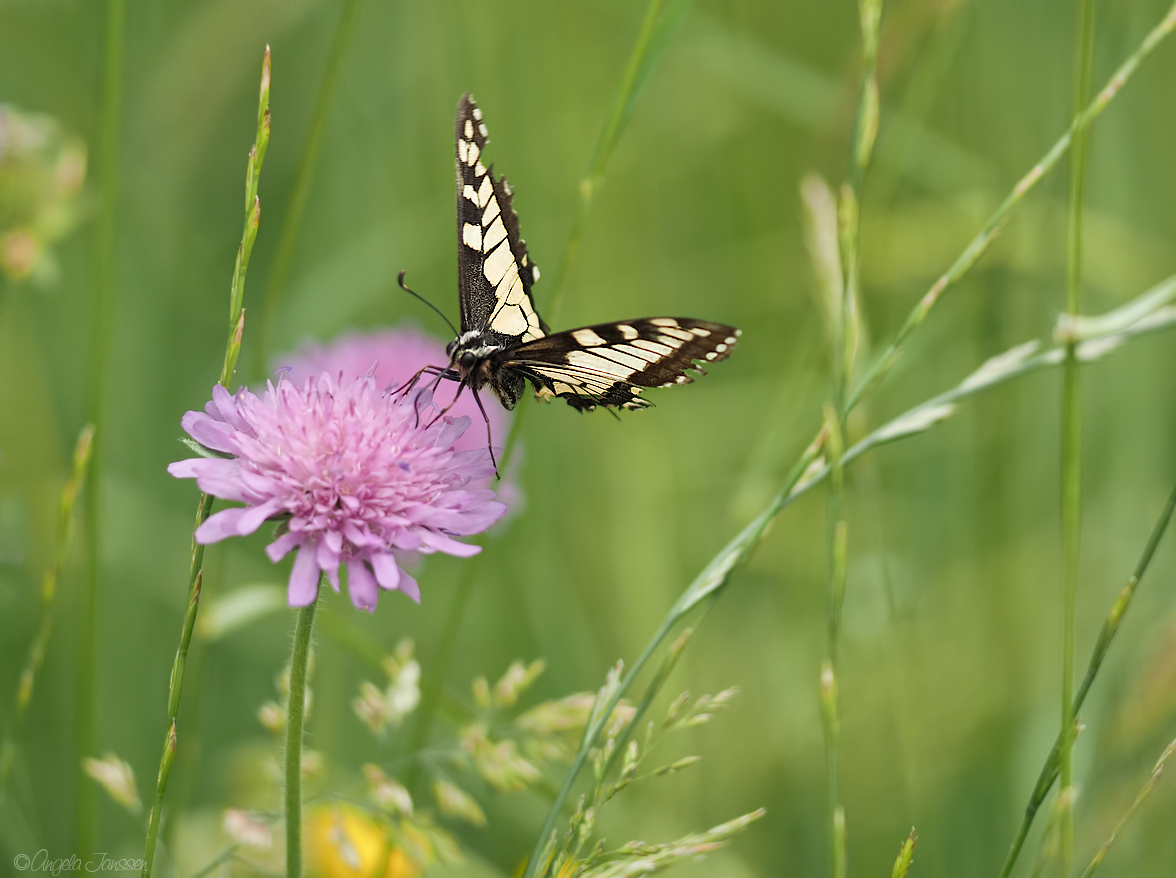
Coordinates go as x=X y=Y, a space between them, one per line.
x=279 y=548
x=210 y=432
x=361 y=585
x=304 y=579
x=223 y=524
x=436 y=542
x=387 y=573
x=409 y=586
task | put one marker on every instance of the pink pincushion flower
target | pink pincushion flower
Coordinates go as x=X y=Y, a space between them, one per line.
x=396 y=354
x=356 y=471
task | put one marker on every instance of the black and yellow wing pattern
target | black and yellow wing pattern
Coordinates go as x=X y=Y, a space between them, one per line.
x=505 y=344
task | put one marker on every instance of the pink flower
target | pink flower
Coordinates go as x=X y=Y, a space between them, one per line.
x=397 y=354
x=352 y=468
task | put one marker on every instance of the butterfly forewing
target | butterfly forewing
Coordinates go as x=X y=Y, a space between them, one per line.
x=495 y=273
x=610 y=363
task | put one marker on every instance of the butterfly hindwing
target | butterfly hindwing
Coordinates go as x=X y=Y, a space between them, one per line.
x=495 y=273
x=610 y=364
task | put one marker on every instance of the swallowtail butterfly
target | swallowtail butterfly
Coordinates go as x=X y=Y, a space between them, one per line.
x=503 y=341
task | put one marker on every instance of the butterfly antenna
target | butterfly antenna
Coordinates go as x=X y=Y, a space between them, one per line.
x=440 y=313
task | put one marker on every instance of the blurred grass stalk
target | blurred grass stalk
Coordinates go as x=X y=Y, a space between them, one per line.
x=1071 y=499
x=1150 y=785
x=865 y=131
x=102 y=322
x=303 y=177
x=1051 y=769
x=65 y=532
x=204 y=507
x=1018 y=361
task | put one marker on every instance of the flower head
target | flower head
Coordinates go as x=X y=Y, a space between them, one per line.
x=356 y=472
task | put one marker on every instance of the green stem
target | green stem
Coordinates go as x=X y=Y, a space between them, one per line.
x=838 y=540
x=865 y=129
x=1071 y=500
x=101 y=329
x=980 y=244
x=1051 y=769
x=295 y=716
x=303 y=177
x=65 y=531
x=204 y=506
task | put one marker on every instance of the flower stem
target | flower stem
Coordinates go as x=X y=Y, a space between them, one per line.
x=204 y=506
x=101 y=329
x=295 y=716
x=303 y=177
x=65 y=531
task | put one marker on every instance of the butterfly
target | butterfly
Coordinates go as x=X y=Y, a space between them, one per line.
x=504 y=344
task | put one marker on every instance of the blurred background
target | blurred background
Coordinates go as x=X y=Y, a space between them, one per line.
x=952 y=645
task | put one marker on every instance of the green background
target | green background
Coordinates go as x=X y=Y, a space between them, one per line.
x=952 y=646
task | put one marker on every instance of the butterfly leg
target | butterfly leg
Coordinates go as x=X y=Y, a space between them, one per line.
x=430 y=370
x=489 y=437
x=460 y=387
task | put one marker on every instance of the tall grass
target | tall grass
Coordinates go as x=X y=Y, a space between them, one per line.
x=102 y=327
x=1072 y=417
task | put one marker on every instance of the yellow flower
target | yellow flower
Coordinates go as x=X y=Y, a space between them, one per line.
x=344 y=842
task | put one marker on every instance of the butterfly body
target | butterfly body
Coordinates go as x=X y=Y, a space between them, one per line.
x=504 y=343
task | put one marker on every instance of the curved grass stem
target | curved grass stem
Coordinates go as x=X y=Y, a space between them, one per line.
x=204 y=506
